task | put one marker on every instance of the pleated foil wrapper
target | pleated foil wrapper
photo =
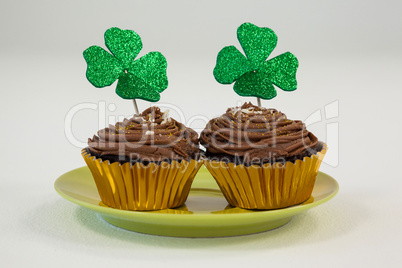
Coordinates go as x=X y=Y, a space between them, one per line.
x=267 y=186
x=142 y=187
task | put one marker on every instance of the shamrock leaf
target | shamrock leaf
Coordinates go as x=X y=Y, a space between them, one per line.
x=255 y=84
x=143 y=78
x=144 y=91
x=231 y=65
x=152 y=69
x=253 y=74
x=103 y=69
x=257 y=43
x=281 y=70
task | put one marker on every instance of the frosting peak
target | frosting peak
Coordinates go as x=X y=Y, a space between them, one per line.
x=150 y=136
x=256 y=134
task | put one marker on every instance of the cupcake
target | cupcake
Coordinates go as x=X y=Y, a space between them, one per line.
x=260 y=158
x=147 y=162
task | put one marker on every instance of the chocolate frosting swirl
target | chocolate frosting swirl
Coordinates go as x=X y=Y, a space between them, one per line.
x=152 y=136
x=256 y=135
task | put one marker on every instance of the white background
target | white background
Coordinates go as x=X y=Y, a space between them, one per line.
x=349 y=51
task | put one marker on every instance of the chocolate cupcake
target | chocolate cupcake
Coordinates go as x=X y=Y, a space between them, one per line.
x=260 y=159
x=147 y=162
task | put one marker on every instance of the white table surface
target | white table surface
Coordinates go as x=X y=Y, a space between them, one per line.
x=349 y=53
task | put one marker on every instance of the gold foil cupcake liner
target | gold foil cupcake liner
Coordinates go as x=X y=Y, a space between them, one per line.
x=142 y=187
x=267 y=186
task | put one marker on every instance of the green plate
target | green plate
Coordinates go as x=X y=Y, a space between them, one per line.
x=206 y=213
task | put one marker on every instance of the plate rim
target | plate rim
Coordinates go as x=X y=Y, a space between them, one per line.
x=144 y=216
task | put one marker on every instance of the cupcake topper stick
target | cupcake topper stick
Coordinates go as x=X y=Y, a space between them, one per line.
x=143 y=78
x=253 y=74
x=136 y=107
x=259 y=102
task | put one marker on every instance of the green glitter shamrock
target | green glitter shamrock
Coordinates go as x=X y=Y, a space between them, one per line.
x=254 y=76
x=143 y=78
